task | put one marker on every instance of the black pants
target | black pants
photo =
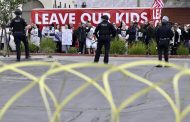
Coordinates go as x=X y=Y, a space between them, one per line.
x=59 y=46
x=81 y=46
x=148 y=51
x=173 y=50
x=106 y=44
x=18 y=39
x=161 y=49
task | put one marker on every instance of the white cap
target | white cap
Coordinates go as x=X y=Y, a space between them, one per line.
x=165 y=18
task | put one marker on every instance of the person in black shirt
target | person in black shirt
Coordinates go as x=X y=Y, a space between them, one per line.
x=164 y=34
x=175 y=41
x=148 y=32
x=81 y=35
x=103 y=33
x=132 y=32
x=18 y=25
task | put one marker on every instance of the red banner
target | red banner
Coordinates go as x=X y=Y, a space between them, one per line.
x=76 y=16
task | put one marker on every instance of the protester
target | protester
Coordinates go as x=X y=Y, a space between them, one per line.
x=58 y=38
x=175 y=40
x=115 y=26
x=39 y=32
x=51 y=32
x=140 y=33
x=148 y=32
x=132 y=34
x=122 y=31
x=81 y=35
x=75 y=42
x=186 y=36
x=91 y=43
x=45 y=31
x=66 y=38
x=34 y=38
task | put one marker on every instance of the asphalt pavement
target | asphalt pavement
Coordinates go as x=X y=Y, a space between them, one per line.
x=91 y=105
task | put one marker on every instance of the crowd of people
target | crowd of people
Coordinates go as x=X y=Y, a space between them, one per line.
x=66 y=36
x=84 y=39
x=89 y=39
x=147 y=32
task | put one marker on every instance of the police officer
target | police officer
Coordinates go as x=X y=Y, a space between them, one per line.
x=103 y=32
x=18 y=25
x=164 y=34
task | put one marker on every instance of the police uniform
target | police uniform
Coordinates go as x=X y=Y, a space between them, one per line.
x=18 y=25
x=103 y=32
x=164 y=34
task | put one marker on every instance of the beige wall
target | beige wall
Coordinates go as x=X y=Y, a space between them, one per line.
x=50 y=3
x=98 y=3
x=47 y=3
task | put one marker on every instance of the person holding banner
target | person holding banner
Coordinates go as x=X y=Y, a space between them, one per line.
x=67 y=35
x=90 y=40
x=122 y=31
x=103 y=32
x=58 y=38
x=35 y=39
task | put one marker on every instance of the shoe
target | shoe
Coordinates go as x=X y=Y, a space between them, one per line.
x=18 y=60
x=158 y=66
x=28 y=57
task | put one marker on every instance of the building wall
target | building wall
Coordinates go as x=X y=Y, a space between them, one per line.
x=27 y=8
x=114 y=3
x=98 y=3
x=50 y=3
x=179 y=15
x=47 y=3
x=177 y=3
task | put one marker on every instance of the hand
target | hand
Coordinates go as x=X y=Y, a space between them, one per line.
x=28 y=27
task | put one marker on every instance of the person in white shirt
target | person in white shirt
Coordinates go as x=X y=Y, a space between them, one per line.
x=66 y=38
x=7 y=39
x=122 y=31
x=45 y=31
x=35 y=39
x=179 y=32
x=58 y=38
x=91 y=40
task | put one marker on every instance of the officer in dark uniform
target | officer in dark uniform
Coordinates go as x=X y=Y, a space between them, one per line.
x=164 y=34
x=18 y=25
x=103 y=32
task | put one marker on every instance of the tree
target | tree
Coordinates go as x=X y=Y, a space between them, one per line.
x=6 y=9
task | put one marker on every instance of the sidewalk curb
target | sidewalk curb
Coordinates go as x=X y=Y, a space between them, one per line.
x=111 y=55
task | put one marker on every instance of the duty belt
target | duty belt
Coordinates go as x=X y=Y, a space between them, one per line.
x=163 y=39
x=104 y=35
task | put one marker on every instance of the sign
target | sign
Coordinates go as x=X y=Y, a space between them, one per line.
x=76 y=16
x=66 y=37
